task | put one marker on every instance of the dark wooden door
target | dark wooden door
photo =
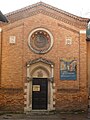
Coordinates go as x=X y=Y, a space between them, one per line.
x=39 y=93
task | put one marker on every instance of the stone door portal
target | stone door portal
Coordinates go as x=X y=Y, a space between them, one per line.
x=40 y=86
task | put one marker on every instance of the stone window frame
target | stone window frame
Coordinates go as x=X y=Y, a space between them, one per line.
x=51 y=38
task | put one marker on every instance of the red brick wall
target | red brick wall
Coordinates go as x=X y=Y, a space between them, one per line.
x=88 y=51
x=70 y=95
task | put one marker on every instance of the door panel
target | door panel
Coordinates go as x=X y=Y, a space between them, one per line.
x=39 y=93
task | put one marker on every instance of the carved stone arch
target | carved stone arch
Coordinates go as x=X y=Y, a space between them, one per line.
x=40 y=64
x=39 y=60
x=40 y=72
x=40 y=68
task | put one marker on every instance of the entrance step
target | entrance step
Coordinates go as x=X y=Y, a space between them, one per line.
x=41 y=112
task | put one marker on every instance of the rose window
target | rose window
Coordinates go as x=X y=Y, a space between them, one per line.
x=40 y=41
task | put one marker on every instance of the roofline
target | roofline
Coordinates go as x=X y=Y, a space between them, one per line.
x=50 y=7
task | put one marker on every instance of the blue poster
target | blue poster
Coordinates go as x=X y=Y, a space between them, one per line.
x=68 y=69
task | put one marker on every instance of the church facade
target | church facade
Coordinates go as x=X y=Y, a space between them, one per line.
x=43 y=60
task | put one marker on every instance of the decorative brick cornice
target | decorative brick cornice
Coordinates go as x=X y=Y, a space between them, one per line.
x=68 y=28
x=68 y=90
x=11 y=89
x=48 y=10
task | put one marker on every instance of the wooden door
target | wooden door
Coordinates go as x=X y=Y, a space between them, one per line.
x=39 y=93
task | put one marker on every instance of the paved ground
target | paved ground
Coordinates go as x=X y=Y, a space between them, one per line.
x=57 y=116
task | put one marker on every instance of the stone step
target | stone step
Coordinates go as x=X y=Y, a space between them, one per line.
x=40 y=113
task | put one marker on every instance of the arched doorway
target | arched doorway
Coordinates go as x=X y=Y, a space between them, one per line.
x=40 y=85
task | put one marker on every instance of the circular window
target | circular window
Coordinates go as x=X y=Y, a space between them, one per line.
x=40 y=40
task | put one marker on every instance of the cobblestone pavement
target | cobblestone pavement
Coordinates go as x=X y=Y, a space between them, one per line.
x=58 y=116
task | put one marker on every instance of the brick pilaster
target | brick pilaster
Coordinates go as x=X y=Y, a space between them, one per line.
x=0 y=52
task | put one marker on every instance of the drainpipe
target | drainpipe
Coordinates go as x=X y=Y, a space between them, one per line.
x=0 y=53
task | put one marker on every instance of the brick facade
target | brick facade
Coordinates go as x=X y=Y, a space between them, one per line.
x=69 y=94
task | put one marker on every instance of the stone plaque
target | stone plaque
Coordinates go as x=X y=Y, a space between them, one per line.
x=36 y=87
x=69 y=41
x=12 y=39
